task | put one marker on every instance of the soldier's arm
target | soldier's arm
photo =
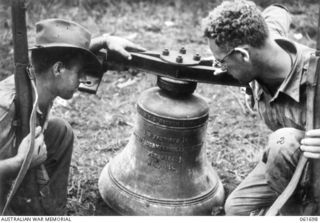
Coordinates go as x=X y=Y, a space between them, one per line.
x=10 y=167
x=114 y=43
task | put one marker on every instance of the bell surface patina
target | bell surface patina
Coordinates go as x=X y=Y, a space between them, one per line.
x=163 y=170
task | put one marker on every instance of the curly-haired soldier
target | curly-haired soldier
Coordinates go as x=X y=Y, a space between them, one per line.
x=252 y=46
x=234 y=26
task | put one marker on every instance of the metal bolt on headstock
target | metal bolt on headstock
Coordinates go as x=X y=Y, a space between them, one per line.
x=165 y=52
x=179 y=59
x=183 y=50
x=197 y=57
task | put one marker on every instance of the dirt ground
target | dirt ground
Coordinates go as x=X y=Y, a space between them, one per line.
x=103 y=122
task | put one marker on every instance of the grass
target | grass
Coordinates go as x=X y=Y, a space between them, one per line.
x=102 y=123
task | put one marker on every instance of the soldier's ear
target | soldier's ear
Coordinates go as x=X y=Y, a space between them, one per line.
x=244 y=51
x=58 y=68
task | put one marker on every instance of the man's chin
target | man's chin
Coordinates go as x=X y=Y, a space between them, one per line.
x=68 y=96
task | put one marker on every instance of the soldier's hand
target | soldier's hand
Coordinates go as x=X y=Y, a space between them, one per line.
x=40 y=150
x=310 y=145
x=121 y=46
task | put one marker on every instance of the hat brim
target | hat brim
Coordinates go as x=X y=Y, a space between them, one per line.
x=93 y=65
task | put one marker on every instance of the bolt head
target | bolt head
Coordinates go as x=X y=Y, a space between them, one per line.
x=197 y=57
x=165 y=52
x=179 y=59
x=183 y=50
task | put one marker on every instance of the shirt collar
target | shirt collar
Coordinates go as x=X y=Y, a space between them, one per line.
x=291 y=84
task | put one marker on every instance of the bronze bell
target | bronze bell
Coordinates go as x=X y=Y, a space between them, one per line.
x=163 y=170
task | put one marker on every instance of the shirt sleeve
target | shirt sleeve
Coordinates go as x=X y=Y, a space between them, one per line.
x=278 y=20
x=7 y=112
x=7 y=134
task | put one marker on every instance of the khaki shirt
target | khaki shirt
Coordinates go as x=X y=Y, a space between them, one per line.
x=7 y=113
x=287 y=107
x=7 y=117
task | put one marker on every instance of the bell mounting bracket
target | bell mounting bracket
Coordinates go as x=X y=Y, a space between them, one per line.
x=168 y=63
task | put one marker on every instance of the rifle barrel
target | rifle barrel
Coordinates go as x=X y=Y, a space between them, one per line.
x=21 y=60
